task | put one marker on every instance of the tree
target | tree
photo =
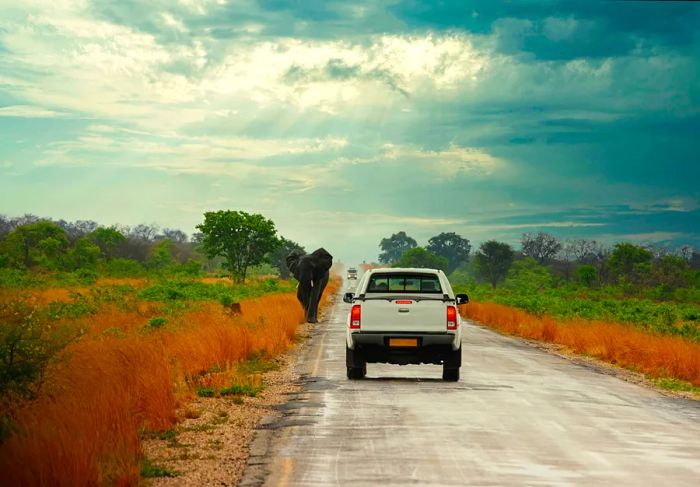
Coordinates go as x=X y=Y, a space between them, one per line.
x=492 y=261
x=394 y=246
x=629 y=261
x=671 y=271
x=278 y=257
x=528 y=274
x=144 y=232
x=161 y=257
x=540 y=246
x=5 y=226
x=451 y=246
x=422 y=258
x=243 y=239
x=587 y=275
x=84 y=254
x=108 y=240
x=33 y=243
x=177 y=236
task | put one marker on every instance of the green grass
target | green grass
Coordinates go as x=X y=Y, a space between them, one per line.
x=257 y=365
x=241 y=390
x=233 y=390
x=206 y=392
x=677 y=385
x=150 y=470
x=608 y=304
x=191 y=290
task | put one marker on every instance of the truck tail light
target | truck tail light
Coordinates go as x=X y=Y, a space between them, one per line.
x=355 y=317
x=451 y=318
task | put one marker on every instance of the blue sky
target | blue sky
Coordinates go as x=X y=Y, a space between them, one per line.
x=346 y=121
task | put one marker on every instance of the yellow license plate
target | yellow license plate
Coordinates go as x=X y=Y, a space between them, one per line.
x=403 y=342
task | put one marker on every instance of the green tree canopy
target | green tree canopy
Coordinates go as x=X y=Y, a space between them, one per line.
x=492 y=261
x=528 y=274
x=629 y=262
x=420 y=257
x=108 y=239
x=242 y=239
x=35 y=243
x=161 y=255
x=394 y=247
x=451 y=246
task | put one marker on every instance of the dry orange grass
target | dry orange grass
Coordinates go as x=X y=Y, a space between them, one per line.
x=83 y=429
x=655 y=355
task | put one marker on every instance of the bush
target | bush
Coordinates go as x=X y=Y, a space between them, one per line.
x=587 y=275
x=124 y=268
x=178 y=290
x=157 y=322
x=27 y=344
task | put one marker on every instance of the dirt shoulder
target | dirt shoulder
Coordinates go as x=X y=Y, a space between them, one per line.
x=217 y=438
x=209 y=445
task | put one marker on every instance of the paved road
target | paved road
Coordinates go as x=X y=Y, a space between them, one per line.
x=518 y=416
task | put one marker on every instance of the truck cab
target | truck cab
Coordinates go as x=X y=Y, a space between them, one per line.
x=404 y=316
x=352 y=273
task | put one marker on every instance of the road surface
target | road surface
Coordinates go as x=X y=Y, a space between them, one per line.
x=518 y=416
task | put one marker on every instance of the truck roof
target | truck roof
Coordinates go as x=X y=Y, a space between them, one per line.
x=420 y=270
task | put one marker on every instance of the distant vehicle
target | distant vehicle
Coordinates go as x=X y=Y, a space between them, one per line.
x=352 y=273
x=404 y=316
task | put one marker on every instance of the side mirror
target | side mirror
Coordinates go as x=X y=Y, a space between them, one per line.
x=348 y=297
x=462 y=299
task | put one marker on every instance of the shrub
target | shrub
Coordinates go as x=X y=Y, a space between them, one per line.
x=157 y=322
x=124 y=268
x=206 y=392
x=587 y=275
x=241 y=390
x=26 y=347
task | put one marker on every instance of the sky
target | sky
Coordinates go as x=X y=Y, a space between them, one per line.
x=347 y=121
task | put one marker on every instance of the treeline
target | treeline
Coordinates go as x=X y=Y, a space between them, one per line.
x=545 y=258
x=87 y=248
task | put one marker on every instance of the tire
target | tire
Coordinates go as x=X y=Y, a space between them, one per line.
x=450 y=375
x=451 y=365
x=356 y=365
x=355 y=373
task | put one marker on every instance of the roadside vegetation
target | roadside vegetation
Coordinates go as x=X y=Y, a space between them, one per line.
x=630 y=305
x=105 y=332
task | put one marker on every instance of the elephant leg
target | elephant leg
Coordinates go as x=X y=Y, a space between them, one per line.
x=304 y=290
x=315 y=297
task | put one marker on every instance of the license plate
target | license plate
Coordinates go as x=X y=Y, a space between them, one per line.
x=403 y=342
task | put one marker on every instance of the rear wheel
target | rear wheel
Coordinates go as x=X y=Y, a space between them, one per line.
x=450 y=368
x=356 y=365
x=357 y=373
x=450 y=375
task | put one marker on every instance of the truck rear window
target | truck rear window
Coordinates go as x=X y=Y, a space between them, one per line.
x=404 y=283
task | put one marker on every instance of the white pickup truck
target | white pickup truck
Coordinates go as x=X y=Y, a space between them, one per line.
x=404 y=316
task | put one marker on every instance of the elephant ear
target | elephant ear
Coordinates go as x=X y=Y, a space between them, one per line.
x=293 y=260
x=322 y=259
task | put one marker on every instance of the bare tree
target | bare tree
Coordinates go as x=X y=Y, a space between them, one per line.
x=177 y=236
x=657 y=249
x=5 y=226
x=584 y=251
x=540 y=246
x=144 y=232
x=686 y=252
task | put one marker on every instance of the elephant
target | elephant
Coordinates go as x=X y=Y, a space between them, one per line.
x=312 y=272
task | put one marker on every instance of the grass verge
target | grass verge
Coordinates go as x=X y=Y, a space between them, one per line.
x=661 y=357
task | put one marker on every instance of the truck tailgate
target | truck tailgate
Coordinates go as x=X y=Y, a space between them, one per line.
x=404 y=316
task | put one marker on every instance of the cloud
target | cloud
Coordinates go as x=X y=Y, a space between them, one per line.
x=449 y=162
x=29 y=111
